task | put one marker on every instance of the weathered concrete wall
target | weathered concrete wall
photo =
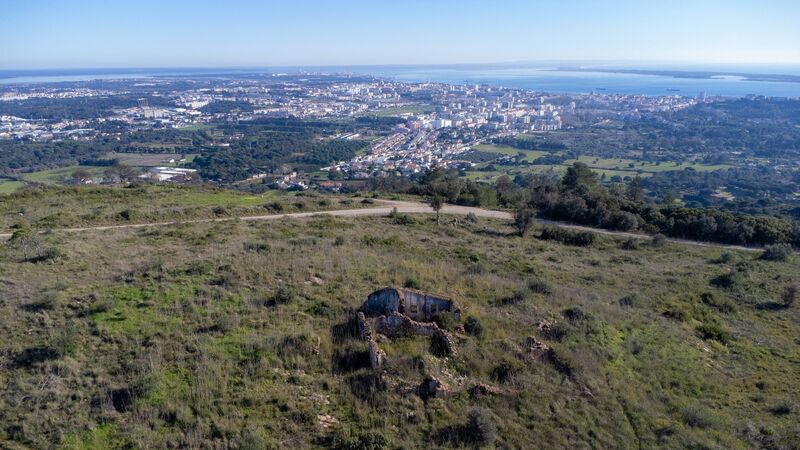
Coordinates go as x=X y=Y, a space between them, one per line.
x=382 y=302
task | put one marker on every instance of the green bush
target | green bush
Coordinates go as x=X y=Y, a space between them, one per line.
x=480 y=428
x=777 y=252
x=445 y=320
x=713 y=331
x=504 y=372
x=411 y=283
x=282 y=296
x=474 y=327
x=720 y=303
x=347 y=439
x=658 y=241
x=539 y=286
x=568 y=237
x=629 y=244
x=728 y=280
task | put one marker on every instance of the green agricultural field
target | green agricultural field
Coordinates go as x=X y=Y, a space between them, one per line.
x=55 y=176
x=630 y=165
x=8 y=186
x=241 y=335
x=530 y=155
x=151 y=159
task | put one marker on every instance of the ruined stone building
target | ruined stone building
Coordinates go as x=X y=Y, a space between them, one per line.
x=417 y=305
x=403 y=312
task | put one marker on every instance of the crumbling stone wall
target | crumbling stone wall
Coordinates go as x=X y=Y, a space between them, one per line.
x=376 y=355
x=364 y=330
x=396 y=324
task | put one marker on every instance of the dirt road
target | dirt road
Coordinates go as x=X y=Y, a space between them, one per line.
x=384 y=207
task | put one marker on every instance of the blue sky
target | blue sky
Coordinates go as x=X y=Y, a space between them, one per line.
x=173 y=33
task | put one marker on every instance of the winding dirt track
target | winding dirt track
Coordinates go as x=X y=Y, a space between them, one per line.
x=386 y=207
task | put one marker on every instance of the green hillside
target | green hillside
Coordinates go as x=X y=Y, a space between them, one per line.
x=241 y=335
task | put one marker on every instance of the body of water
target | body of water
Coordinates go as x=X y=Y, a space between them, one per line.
x=537 y=78
x=576 y=82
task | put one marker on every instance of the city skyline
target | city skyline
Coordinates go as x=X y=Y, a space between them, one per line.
x=244 y=33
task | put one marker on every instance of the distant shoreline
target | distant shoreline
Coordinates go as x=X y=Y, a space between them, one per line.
x=697 y=75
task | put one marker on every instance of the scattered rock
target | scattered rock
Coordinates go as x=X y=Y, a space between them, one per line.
x=482 y=390
x=544 y=325
x=327 y=421
x=432 y=388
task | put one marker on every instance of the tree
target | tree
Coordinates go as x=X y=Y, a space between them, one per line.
x=579 y=175
x=81 y=175
x=523 y=218
x=436 y=203
x=126 y=172
x=635 y=193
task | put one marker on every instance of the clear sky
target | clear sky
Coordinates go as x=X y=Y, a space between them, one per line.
x=206 y=33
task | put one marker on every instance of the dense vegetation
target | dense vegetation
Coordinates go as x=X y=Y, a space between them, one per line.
x=90 y=107
x=240 y=335
x=579 y=198
x=265 y=145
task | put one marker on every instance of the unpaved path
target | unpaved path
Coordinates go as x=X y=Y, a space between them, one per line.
x=385 y=207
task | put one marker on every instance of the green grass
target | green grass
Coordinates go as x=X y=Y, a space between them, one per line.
x=610 y=167
x=62 y=207
x=55 y=176
x=530 y=155
x=8 y=186
x=174 y=342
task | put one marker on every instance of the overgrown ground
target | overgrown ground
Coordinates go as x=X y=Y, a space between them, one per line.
x=76 y=206
x=239 y=335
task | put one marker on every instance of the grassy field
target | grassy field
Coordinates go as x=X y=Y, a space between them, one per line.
x=240 y=335
x=8 y=186
x=55 y=176
x=619 y=166
x=511 y=151
x=74 y=206
x=151 y=159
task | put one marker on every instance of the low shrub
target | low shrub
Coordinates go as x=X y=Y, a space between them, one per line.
x=631 y=301
x=480 y=428
x=698 y=417
x=539 y=286
x=445 y=320
x=713 y=331
x=789 y=295
x=658 y=241
x=728 y=280
x=282 y=296
x=411 y=283
x=504 y=372
x=347 y=439
x=474 y=327
x=777 y=252
x=568 y=237
x=720 y=303
x=629 y=244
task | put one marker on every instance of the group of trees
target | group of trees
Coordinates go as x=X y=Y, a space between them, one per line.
x=579 y=198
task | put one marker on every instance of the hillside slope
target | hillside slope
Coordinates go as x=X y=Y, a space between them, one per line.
x=241 y=334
